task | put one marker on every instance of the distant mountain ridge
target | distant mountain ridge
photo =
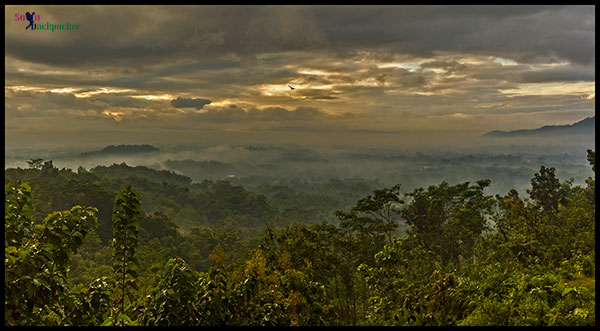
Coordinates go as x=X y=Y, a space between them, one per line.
x=121 y=150
x=585 y=126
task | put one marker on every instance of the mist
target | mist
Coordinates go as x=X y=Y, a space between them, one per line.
x=413 y=163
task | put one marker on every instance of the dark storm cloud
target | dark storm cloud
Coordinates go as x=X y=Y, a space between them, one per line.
x=193 y=49
x=525 y=33
x=144 y=35
x=197 y=103
x=141 y=36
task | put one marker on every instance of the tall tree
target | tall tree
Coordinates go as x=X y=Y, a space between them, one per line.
x=448 y=219
x=126 y=219
x=546 y=190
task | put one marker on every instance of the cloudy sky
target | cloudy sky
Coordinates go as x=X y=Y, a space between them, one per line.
x=220 y=74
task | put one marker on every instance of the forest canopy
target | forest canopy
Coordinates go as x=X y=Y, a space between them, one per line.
x=127 y=245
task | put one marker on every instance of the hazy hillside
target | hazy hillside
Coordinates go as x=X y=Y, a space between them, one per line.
x=121 y=150
x=585 y=126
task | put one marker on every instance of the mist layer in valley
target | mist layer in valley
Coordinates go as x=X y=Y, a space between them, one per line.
x=508 y=162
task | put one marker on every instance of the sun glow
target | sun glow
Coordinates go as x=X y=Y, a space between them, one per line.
x=64 y=90
x=314 y=72
x=154 y=97
x=410 y=66
x=87 y=94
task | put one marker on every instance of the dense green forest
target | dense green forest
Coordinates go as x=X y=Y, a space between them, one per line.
x=123 y=245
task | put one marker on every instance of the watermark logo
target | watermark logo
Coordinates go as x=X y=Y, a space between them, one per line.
x=35 y=25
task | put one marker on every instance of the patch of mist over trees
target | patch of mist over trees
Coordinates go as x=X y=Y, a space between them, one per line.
x=508 y=166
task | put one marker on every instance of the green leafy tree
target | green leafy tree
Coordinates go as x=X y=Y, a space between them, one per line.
x=374 y=215
x=91 y=305
x=312 y=253
x=18 y=210
x=546 y=190
x=126 y=219
x=449 y=220
x=37 y=258
x=157 y=225
x=215 y=297
x=173 y=302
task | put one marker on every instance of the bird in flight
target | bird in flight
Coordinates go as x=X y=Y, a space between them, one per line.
x=291 y=87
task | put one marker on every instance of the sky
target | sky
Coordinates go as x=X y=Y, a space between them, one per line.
x=380 y=75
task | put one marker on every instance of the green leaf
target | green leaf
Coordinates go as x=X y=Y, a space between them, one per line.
x=567 y=291
x=108 y=322
x=125 y=317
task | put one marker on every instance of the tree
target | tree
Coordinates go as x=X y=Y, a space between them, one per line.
x=157 y=225
x=126 y=220
x=362 y=233
x=591 y=182
x=546 y=191
x=591 y=157
x=35 y=163
x=172 y=303
x=374 y=214
x=449 y=219
x=18 y=210
x=37 y=258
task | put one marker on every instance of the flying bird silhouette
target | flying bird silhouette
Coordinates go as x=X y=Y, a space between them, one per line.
x=291 y=87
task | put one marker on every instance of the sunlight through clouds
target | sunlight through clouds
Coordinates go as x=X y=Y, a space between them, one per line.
x=586 y=88
x=380 y=65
